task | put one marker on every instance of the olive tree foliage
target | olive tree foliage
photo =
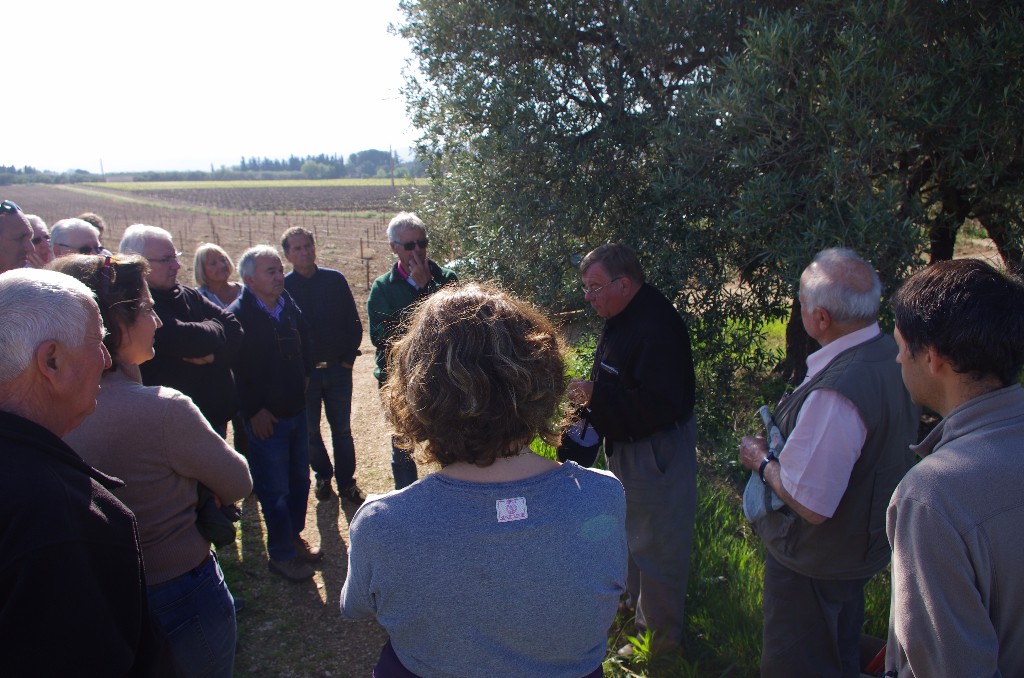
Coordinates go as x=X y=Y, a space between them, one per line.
x=542 y=124
x=544 y=129
x=726 y=142
x=880 y=126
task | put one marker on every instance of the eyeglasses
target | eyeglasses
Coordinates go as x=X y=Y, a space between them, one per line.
x=593 y=291
x=9 y=207
x=40 y=238
x=411 y=245
x=165 y=260
x=141 y=305
x=84 y=249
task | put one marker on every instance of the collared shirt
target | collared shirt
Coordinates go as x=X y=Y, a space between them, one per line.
x=828 y=436
x=404 y=275
x=278 y=307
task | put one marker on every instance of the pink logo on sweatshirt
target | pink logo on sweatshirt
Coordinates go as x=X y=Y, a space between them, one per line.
x=511 y=509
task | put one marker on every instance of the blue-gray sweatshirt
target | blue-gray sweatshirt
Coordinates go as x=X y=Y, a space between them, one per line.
x=493 y=579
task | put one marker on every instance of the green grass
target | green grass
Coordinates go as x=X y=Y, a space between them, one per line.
x=281 y=183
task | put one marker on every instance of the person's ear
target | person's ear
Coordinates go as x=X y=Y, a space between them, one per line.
x=935 y=361
x=49 y=360
x=822 y=318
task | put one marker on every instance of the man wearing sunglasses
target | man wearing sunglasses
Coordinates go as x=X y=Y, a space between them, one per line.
x=75 y=236
x=413 y=277
x=15 y=237
x=42 y=252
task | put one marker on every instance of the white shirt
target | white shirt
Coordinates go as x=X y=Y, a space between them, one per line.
x=825 y=443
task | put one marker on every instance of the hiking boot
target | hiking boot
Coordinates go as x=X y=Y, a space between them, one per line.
x=292 y=570
x=324 y=491
x=353 y=495
x=307 y=553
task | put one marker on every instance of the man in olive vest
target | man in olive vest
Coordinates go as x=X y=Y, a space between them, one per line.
x=848 y=428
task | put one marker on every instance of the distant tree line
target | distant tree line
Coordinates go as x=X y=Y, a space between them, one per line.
x=364 y=164
x=361 y=165
x=10 y=174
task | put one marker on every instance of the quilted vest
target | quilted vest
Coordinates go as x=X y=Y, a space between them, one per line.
x=852 y=543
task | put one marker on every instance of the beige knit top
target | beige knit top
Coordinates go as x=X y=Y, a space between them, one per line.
x=156 y=440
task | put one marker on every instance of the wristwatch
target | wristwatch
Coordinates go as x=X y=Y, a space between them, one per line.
x=769 y=458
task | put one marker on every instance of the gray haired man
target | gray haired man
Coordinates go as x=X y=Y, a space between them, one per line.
x=847 y=429
x=75 y=236
x=272 y=371
x=70 y=565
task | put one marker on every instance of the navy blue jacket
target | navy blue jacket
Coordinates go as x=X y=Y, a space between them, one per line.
x=275 y=358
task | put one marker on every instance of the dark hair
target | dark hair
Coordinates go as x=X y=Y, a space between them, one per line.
x=477 y=375
x=117 y=282
x=617 y=260
x=972 y=314
x=94 y=219
x=296 y=230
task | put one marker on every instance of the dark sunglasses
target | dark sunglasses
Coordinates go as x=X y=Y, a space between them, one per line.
x=411 y=245
x=39 y=238
x=84 y=249
x=9 y=207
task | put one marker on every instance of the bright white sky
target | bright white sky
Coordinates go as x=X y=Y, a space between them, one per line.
x=174 y=86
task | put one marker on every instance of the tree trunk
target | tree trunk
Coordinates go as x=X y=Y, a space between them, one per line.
x=799 y=345
x=1010 y=249
x=942 y=239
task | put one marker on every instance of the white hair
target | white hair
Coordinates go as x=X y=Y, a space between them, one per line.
x=38 y=305
x=137 y=235
x=404 y=221
x=842 y=283
x=247 y=262
x=67 y=226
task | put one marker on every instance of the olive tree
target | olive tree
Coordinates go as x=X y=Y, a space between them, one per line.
x=727 y=142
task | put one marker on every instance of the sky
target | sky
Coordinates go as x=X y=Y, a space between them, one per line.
x=138 y=85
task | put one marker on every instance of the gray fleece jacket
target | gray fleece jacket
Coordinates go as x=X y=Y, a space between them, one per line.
x=956 y=526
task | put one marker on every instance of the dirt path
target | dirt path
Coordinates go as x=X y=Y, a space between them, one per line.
x=296 y=629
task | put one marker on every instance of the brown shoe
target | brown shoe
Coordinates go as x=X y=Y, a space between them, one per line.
x=292 y=570
x=353 y=495
x=306 y=553
x=324 y=491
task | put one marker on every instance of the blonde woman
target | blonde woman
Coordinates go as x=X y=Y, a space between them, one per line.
x=213 y=269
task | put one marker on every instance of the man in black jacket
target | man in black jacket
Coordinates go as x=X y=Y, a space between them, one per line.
x=272 y=370
x=326 y=302
x=640 y=396
x=72 y=585
x=198 y=341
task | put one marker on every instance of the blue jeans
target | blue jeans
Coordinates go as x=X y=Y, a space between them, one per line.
x=197 y=612
x=331 y=385
x=280 y=477
x=403 y=468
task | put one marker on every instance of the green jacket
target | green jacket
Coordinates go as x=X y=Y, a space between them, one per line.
x=390 y=296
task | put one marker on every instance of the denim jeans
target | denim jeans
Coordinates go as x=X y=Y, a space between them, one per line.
x=197 y=612
x=403 y=468
x=280 y=477
x=331 y=385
